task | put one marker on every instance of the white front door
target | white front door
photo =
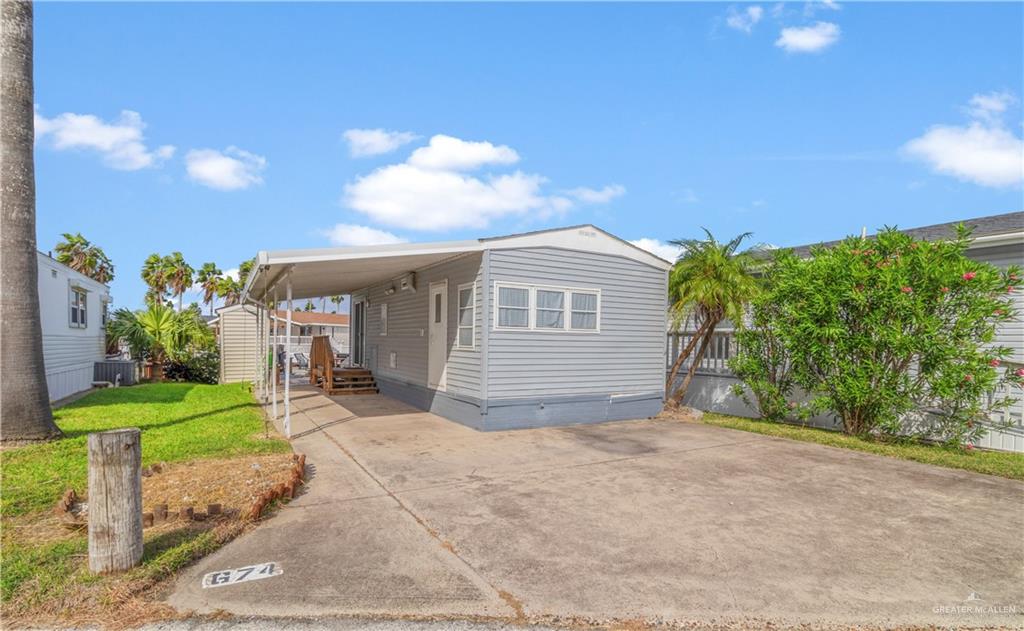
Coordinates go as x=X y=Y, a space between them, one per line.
x=437 y=349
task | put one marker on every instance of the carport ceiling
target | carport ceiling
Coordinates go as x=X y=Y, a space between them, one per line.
x=331 y=271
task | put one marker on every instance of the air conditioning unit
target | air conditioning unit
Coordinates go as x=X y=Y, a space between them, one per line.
x=407 y=282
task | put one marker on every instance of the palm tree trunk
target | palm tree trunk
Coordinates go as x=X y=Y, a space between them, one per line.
x=179 y=300
x=678 y=363
x=677 y=396
x=24 y=399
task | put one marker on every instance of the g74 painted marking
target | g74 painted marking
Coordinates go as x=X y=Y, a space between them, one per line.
x=242 y=574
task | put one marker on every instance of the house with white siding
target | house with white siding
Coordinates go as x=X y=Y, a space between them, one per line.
x=544 y=328
x=73 y=313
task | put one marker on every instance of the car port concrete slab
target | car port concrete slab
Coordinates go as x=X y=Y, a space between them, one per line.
x=410 y=514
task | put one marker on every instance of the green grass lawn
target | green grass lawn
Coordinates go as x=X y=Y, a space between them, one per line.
x=999 y=463
x=179 y=422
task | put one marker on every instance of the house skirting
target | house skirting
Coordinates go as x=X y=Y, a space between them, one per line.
x=523 y=413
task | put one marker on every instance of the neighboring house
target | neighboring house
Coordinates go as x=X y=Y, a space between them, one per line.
x=997 y=239
x=544 y=328
x=73 y=313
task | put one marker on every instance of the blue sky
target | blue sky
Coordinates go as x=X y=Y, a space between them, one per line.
x=220 y=130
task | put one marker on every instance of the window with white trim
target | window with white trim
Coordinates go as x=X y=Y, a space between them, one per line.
x=545 y=308
x=550 y=309
x=467 y=316
x=384 y=319
x=583 y=316
x=513 y=307
x=78 y=308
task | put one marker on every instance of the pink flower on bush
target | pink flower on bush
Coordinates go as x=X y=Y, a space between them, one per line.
x=998 y=312
x=906 y=290
x=993 y=363
x=1009 y=289
x=945 y=290
x=1020 y=372
x=969 y=276
x=969 y=447
x=968 y=377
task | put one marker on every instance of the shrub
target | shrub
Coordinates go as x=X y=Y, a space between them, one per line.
x=762 y=362
x=203 y=367
x=876 y=330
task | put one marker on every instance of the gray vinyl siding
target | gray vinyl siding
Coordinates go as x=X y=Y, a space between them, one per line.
x=407 y=336
x=237 y=344
x=626 y=356
x=1011 y=334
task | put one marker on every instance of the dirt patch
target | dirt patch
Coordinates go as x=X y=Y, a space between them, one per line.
x=125 y=600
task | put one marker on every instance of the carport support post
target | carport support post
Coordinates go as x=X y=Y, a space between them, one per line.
x=288 y=362
x=273 y=356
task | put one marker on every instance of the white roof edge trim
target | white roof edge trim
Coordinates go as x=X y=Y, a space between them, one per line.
x=581 y=237
x=997 y=239
x=290 y=257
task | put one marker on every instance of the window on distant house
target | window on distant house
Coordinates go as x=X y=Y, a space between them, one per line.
x=467 y=316
x=383 y=319
x=78 y=308
x=513 y=307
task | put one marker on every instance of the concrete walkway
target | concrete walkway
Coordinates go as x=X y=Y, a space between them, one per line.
x=408 y=514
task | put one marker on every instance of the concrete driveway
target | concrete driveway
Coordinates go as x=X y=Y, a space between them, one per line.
x=408 y=514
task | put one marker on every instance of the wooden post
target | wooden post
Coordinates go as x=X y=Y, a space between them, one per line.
x=115 y=500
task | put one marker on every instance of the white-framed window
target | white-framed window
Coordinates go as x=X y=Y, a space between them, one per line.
x=513 y=307
x=384 y=319
x=79 y=301
x=547 y=308
x=583 y=310
x=466 y=336
x=550 y=309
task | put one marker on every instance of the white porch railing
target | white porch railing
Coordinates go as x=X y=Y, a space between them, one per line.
x=715 y=361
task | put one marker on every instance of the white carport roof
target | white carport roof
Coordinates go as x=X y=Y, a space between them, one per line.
x=330 y=271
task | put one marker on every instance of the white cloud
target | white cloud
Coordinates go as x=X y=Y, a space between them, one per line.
x=453 y=154
x=346 y=234
x=121 y=143
x=808 y=39
x=983 y=154
x=666 y=251
x=744 y=20
x=374 y=142
x=597 y=196
x=228 y=170
x=432 y=191
x=984 y=151
x=990 y=106
x=813 y=7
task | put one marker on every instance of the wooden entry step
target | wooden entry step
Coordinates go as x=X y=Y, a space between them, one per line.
x=352 y=381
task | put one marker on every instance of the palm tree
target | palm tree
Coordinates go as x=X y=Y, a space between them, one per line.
x=179 y=275
x=208 y=277
x=24 y=399
x=159 y=332
x=710 y=282
x=74 y=251
x=337 y=302
x=154 y=274
x=243 y=271
x=309 y=306
x=81 y=255
x=230 y=290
